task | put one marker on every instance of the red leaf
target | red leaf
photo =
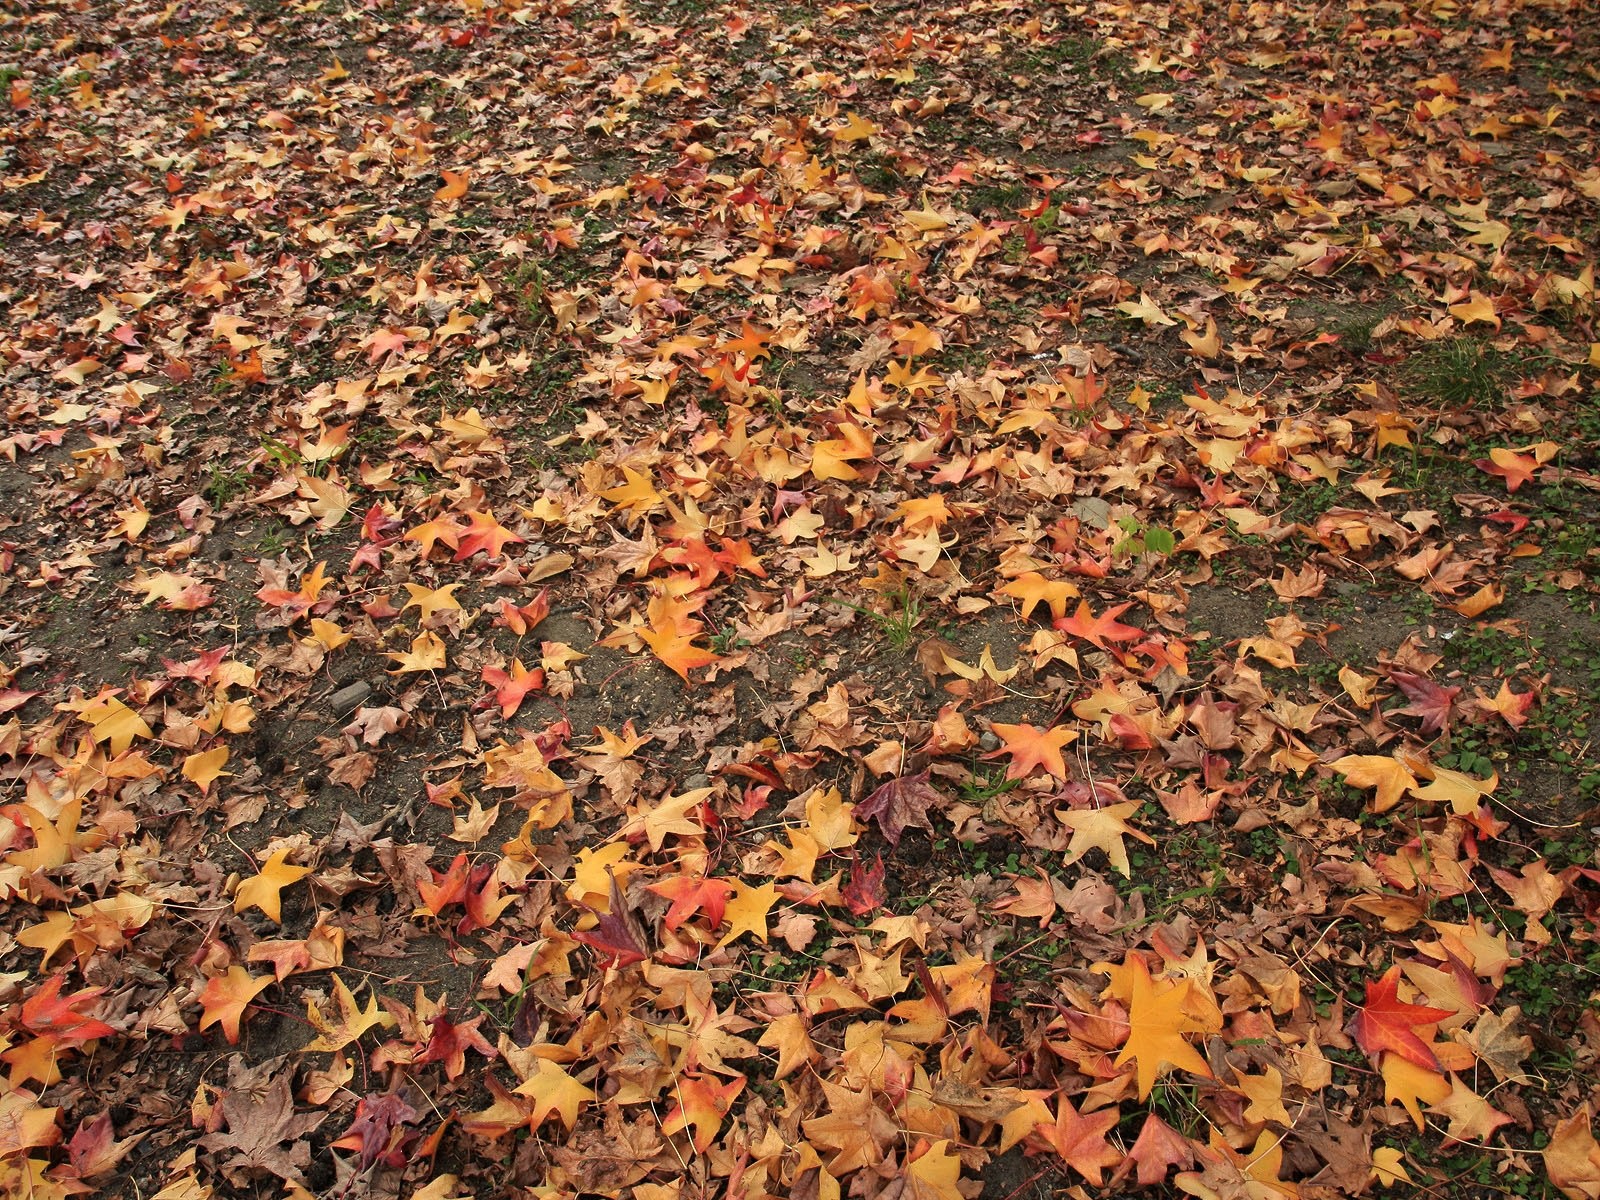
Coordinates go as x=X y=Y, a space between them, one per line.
x=865 y=891
x=1385 y=1022
x=615 y=934
x=47 y=1011
x=1157 y=1150
x=1428 y=700
x=900 y=803
x=379 y=1131
x=450 y=1042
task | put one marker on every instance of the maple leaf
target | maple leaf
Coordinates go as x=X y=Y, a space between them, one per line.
x=1231 y=1173
x=865 y=890
x=439 y=529
x=1512 y=707
x=1099 y=630
x=110 y=721
x=615 y=934
x=449 y=1041
x=1386 y=1023
x=225 y=997
x=673 y=815
x=1572 y=1157
x=523 y=620
x=264 y=1134
x=554 y=1093
x=1030 y=747
x=703 y=1103
x=1156 y=1150
x=297 y=603
x=262 y=889
x=675 y=647
x=691 y=895
x=854 y=1127
x=1034 y=589
x=747 y=911
x=1146 y=310
x=320 y=950
x=1517 y=467
x=378 y=1132
x=1102 y=829
x=455 y=185
x=899 y=804
x=1157 y=1022
x=1463 y=792
x=1428 y=700
x=352 y=1021
x=1080 y=1140
x=431 y=600
x=484 y=534
x=1387 y=774
x=92 y=1149
x=512 y=688
x=445 y=888
x=1472 y=1118
x=427 y=653
x=205 y=768
x=637 y=494
x=790 y=1036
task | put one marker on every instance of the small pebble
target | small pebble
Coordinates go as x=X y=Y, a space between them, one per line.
x=989 y=741
x=697 y=780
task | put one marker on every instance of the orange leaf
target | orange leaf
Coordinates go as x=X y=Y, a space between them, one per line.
x=1081 y=1140
x=455 y=185
x=225 y=997
x=1030 y=747
x=1099 y=630
x=702 y=1103
x=1034 y=589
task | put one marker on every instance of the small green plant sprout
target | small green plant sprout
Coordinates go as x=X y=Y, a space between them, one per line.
x=1141 y=539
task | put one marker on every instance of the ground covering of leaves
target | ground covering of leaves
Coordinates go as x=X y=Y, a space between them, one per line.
x=873 y=600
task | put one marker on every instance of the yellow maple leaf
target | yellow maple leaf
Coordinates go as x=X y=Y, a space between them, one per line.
x=1146 y=310
x=1157 y=1022
x=855 y=129
x=111 y=721
x=335 y=1033
x=327 y=635
x=1034 y=589
x=262 y=890
x=1477 y=308
x=789 y=1036
x=426 y=654
x=747 y=910
x=554 y=1093
x=431 y=600
x=1381 y=771
x=1463 y=792
x=1387 y=1167
x=205 y=768
x=636 y=494
x=1102 y=829
x=672 y=815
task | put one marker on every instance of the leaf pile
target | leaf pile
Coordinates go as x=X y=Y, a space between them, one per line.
x=799 y=601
